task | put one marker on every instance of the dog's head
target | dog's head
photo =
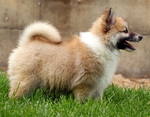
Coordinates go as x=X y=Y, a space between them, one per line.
x=115 y=31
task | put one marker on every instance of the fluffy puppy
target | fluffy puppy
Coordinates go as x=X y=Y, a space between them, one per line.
x=83 y=65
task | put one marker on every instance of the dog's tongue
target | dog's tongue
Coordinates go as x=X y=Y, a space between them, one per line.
x=129 y=47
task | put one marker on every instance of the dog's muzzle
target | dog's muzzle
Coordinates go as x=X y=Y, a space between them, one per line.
x=123 y=42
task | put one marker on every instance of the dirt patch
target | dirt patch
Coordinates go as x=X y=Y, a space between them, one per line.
x=136 y=83
x=4 y=69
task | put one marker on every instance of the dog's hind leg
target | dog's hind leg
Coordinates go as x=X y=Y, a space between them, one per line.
x=20 y=86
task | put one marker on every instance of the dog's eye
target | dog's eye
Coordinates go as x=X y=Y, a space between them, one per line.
x=125 y=31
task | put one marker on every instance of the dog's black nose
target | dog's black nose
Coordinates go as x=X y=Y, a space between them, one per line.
x=140 y=37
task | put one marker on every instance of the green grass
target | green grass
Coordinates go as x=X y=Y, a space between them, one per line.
x=117 y=102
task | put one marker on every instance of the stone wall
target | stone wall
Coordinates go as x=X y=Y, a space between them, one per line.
x=73 y=16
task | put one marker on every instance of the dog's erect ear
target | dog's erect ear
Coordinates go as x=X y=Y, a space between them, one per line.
x=109 y=19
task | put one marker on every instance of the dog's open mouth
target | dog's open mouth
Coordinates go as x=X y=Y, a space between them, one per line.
x=123 y=44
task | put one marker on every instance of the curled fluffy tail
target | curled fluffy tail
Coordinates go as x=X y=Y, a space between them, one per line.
x=46 y=30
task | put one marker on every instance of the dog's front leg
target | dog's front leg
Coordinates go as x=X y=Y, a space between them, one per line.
x=97 y=94
x=82 y=92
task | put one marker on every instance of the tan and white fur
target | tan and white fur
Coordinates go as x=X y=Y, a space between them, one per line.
x=83 y=65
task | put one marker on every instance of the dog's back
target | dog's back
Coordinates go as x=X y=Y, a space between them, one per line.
x=53 y=65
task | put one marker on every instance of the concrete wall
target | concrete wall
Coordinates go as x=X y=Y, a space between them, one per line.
x=73 y=16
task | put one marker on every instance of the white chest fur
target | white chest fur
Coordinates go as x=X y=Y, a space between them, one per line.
x=108 y=58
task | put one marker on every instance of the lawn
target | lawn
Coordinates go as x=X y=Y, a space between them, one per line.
x=117 y=102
